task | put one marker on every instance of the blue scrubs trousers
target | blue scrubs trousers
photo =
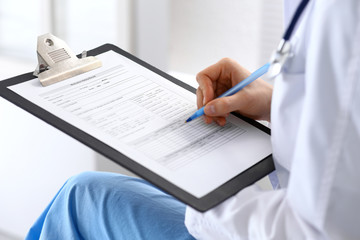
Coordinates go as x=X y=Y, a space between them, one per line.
x=96 y=205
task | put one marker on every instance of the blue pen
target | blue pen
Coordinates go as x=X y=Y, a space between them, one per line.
x=255 y=75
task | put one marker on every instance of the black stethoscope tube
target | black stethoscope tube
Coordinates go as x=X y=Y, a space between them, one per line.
x=283 y=50
x=294 y=20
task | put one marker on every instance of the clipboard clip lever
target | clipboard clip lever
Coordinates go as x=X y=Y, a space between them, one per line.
x=57 y=62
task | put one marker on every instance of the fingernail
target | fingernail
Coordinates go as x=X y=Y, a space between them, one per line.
x=204 y=101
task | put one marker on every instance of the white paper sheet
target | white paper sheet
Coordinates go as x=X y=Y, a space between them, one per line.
x=142 y=115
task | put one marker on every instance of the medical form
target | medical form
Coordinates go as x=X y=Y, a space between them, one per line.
x=141 y=114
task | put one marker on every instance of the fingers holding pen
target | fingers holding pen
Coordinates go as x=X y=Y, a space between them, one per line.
x=220 y=108
x=205 y=88
x=253 y=101
x=205 y=93
x=199 y=98
x=200 y=103
x=213 y=81
x=211 y=114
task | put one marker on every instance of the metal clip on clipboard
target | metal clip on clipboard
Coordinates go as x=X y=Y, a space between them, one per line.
x=57 y=62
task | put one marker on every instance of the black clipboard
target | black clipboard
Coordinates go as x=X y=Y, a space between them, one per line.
x=228 y=189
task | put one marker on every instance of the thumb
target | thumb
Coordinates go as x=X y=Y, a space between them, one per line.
x=222 y=106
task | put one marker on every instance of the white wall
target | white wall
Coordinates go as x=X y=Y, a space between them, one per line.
x=204 y=31
x=86 y=24
x=20 y=23
x=151 y=31
x=188 y=35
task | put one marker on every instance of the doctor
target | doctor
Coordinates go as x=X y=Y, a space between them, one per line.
x=315 y=117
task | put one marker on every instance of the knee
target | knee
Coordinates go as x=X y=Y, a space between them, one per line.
x=83 y=179
x=101 y=187
x=91 y=180
x=99 y=181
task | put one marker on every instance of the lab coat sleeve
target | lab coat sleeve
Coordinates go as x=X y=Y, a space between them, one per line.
x=251 y=214
x=322 y=198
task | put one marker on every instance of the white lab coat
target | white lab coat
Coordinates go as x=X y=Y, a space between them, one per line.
x=315 y=137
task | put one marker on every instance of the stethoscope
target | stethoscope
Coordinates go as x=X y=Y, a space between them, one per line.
x=283 y=51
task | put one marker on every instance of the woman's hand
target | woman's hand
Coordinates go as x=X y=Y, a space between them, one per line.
x=253 y=101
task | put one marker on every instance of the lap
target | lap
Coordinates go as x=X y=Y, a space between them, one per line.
x=95 y=205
